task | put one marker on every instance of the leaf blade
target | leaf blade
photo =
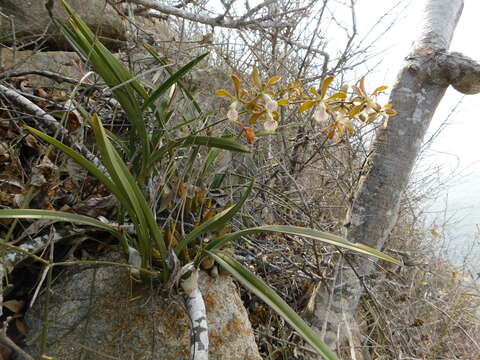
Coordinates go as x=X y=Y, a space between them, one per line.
x=300 y=231
x=264 y=292
x=56 y=216
x=172 y=80
x=216 y=221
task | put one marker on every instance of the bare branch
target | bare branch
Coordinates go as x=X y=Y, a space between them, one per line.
x=50 y=123
x=49 y=74
x=9 y=342
x=255 y=9
x=196 y=311
x=221 y=20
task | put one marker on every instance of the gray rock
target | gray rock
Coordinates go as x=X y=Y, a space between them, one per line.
x=31 y=20
x=101 y=313
x=59 y=62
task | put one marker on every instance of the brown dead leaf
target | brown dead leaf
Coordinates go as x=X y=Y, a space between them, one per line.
x=96 y=206
x=73 y=121
x=42 y=93
x=32 y=142
x=417 y=322
x=14 y=306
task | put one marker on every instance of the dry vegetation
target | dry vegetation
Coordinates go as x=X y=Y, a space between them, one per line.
x=423 y=310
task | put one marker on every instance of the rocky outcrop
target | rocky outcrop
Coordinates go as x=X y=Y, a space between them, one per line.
x=101 y=313
x=64 y=63
x=29 y=20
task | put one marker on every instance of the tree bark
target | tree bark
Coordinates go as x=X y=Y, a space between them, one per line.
x=421 y=83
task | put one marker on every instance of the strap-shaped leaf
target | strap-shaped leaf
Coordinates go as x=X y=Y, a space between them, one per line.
x=111 y=70
x=207 y=165
x=184 y=89
x=58 y=216
x=225 y=143
x=83 y=162
x=270 y=297
x=172 y=80
x=306 y=232
x=122 y=177
x=216 y=222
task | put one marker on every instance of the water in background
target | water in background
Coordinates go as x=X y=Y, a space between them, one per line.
x=456 y=217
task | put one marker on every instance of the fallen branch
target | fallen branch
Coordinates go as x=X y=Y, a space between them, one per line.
x=9 y=342
x=49 y=74
x=51 y=124
x=31 y=246
x=196 y=310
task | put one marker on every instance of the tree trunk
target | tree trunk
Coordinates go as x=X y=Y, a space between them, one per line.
x=419 y=88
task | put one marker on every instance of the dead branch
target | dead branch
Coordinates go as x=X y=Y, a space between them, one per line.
x=51 y=124
x=48 y=74
x=246 y=20
x=9 y=342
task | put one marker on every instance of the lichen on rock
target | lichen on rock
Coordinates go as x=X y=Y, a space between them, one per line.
x=100 y=312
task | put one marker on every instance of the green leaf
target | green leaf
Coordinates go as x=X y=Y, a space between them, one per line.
x=172 y=80
x=112 y=71
x=122 y=177
x=216 y=222
x=207 y=165
x=58 y=216
x=184 y=89
x=225 y=143
x=83 y=162
x=301 y=231
x=121 y=144
x=264 y=292
x=80 y=28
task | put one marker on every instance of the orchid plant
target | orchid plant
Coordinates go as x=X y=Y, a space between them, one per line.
x=126 y=182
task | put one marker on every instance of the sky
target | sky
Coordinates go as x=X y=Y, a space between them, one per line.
x=459 y=144
x=456 y=151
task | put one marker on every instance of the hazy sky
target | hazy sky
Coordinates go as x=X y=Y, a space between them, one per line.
x=460 y=142
x=458 y=146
